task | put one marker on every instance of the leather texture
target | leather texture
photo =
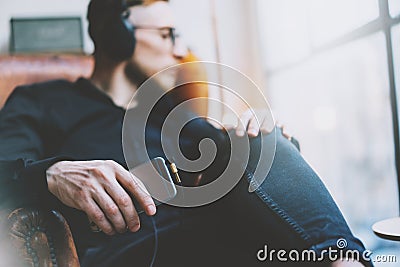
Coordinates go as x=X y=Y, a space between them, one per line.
x=26 y=69
x=42 y=238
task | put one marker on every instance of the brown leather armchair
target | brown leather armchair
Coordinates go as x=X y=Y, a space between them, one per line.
x=35 y=237
x=40 y=239
x=25 y=69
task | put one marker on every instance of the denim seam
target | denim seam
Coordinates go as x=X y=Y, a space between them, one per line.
x=275 y=207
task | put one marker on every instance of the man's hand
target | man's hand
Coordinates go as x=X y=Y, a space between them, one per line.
x=248 y=123
x=100 y=189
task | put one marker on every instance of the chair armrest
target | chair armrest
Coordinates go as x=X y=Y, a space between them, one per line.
x=41 y=238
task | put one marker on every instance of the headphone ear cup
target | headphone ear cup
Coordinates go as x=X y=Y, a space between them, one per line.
x=130 y=28
x=120 y=39
x=110 y=29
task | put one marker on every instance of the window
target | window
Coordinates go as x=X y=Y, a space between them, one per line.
x=330 y=69
x=394 y=8
x=396 y=60
x=323 y=18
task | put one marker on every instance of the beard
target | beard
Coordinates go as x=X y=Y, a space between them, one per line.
x=153 y=89
x=165 y=78
x=134 y=74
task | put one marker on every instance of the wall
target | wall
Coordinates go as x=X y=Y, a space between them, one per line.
x=235 y=28
x=39 y=8
x=232 y=26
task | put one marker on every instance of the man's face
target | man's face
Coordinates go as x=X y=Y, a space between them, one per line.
x=154 y=49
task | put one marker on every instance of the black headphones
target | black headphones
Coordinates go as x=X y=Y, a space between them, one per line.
x=110 y=29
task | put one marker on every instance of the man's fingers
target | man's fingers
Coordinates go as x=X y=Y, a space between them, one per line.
x=125 y=205
x=111 y=210
x=228 y=127
x=286 y=134
x=254 y=127
x=253 y=122
x=142 y=195
x=97 y=216
x=137 y=188
x=243 y=121
x=267 y=126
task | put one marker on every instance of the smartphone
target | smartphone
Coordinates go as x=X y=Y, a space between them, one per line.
x=156 y=178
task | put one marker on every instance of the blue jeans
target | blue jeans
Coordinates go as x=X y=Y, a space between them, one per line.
x=291 y=210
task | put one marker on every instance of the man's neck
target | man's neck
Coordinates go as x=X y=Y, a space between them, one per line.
x=113 y=81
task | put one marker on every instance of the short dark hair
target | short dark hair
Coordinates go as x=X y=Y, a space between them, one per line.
x=102 y=13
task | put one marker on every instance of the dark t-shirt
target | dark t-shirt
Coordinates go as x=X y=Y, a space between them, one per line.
x=43 y=123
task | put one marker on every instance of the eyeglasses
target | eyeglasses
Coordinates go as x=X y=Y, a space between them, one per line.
x=172 y=34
